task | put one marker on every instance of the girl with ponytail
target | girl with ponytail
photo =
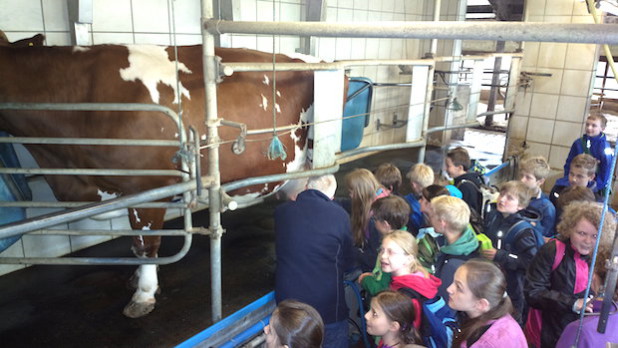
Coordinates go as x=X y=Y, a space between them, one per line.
x=391 y=316
x=479 y=291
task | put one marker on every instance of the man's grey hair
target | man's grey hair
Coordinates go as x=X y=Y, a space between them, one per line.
x=327 y=184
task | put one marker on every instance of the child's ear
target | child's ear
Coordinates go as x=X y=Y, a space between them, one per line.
x=394 y=326
x=483 y=305
x=541 y=182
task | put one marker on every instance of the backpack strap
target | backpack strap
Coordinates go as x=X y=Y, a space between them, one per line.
x=411 y=293
x=585 y=145
x=560 y=251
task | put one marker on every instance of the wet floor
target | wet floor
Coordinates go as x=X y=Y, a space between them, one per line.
x=81 y=306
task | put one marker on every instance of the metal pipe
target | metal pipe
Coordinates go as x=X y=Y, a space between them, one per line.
x=278 y=177
x=496 y=112
x=29 y=204
x=88 y=141
x=109 y=232
x=86 y=171
x=52 y=219
x=433 y=49
x=503 y=31
x=230 y=68
x=415 y=143
x=210 y=82
x=102 y=261
x=444 y=128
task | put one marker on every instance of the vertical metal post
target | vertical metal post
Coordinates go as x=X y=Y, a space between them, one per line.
x=210 y=78
x=495 y=81
x=420 y=99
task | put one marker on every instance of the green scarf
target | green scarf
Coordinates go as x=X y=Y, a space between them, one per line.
x=465 y=245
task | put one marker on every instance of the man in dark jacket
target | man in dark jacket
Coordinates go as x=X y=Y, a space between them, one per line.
x=314 y=249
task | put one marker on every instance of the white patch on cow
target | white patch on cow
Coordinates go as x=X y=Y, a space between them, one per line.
x=277 y=107
x=106 y=195
x=146 y=228
x=175 y=135
x=203 y=137
x=300 y=153
x=278 y=94
x=264 y=104
x=110 y=214
x=162 y=129
x=137 y=219
x=147 y=284
x=305 y=58
x=265 y=189
x=80 y=49
x=152 y=66
x=266 y=80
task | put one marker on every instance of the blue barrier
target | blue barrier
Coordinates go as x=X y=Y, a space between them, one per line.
x=217 y=331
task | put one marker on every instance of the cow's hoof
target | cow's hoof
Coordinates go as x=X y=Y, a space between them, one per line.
x=137 y=310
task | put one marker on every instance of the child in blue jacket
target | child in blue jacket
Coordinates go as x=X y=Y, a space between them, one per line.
x=532 y=172
x=508 y=225
x=594 y=142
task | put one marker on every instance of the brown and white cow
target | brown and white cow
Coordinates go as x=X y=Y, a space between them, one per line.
x=146 y=74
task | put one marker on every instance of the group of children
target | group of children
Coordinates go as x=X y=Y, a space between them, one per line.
x=519 y=262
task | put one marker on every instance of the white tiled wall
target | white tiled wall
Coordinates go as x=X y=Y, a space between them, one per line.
x=550 y=114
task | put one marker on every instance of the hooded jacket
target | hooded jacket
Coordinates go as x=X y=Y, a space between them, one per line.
x=513 y=253
x=451 y=256
x=427 y=287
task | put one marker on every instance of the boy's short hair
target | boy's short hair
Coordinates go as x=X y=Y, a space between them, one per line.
x=389 y=176
x=453 y=210
x=422 y=174
x=432 y=191
x=392 y=209
x=586 y=162
x=573 y=194
x=519 y=190
x=599 y=117
x=536 y=165
x=460 y=157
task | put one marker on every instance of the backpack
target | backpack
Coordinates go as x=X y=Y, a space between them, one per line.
x=428 y=249
x=438 y=323
x=518 y=227
x=487 y=195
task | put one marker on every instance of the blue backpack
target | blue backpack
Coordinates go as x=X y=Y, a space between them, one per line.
x=521 y=225
x=438 y=323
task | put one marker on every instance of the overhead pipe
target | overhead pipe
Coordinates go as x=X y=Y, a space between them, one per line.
x=449 y=30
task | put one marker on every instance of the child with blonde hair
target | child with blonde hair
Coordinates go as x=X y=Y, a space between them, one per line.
x=398 y=256
x=450 y=217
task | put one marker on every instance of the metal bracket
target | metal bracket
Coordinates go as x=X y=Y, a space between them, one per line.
x=238 y=146
x=396 y=123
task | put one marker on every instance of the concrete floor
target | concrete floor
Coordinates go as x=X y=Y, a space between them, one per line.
x=77 y=306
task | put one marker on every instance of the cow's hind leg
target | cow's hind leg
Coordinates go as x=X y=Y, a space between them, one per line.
x=145 y=277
